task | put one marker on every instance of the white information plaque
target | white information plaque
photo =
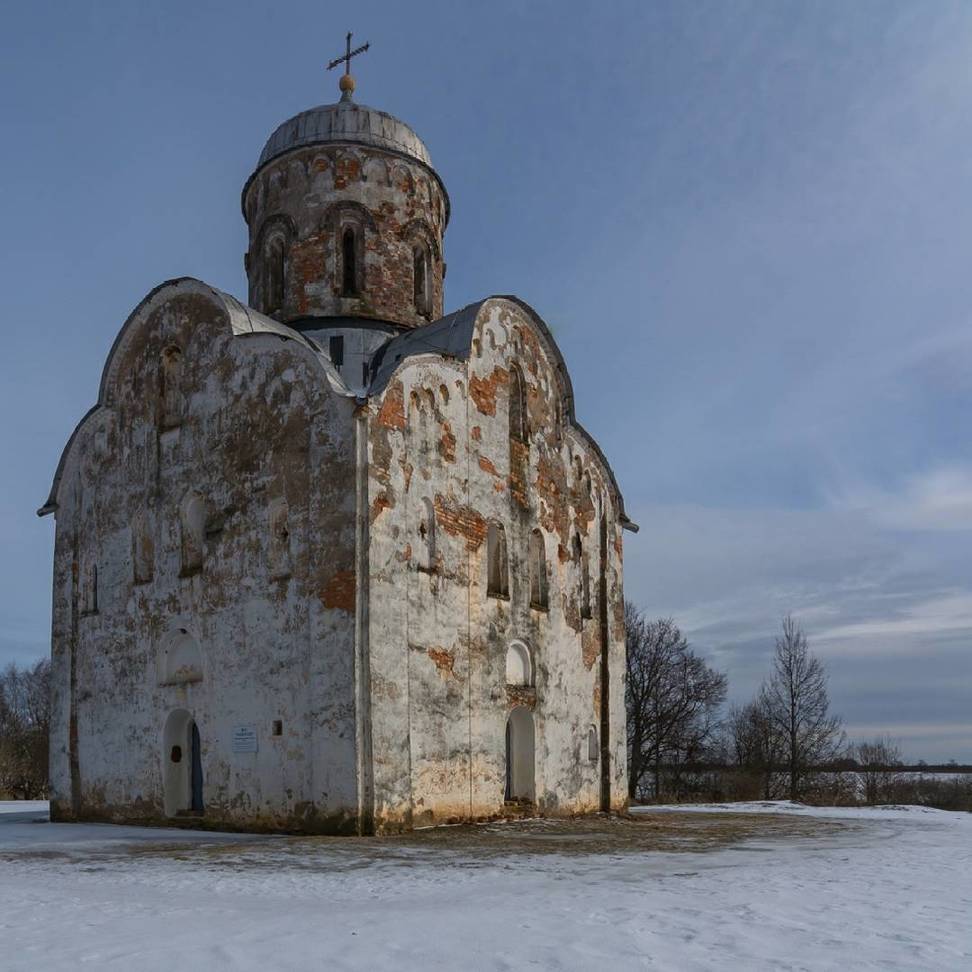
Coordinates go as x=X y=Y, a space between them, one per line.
x=244 y=739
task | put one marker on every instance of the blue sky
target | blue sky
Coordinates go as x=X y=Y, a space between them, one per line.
x=749 y=225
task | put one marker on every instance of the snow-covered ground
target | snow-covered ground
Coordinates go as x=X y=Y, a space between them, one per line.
x=806 y=889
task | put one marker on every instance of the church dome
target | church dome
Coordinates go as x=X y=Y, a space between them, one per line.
x=345 y=121
x=346 y=218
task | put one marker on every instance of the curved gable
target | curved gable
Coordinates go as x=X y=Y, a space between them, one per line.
x=454 y=337
x=189 y=303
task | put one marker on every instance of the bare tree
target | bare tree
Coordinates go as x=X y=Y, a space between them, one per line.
x=672 y=698
x=879 y=762
x=755 y=745
x=799 y=707
x=24 y=727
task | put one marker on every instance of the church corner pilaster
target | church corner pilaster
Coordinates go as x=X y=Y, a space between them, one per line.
x=362 y=661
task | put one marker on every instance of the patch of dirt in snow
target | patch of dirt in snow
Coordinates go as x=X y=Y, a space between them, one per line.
x=471 y=846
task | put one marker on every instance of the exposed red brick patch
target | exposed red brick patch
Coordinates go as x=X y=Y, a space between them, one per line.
x=529 y=340
x=525 y=695
x=447 y=443
x=483 y=390
x=392 y=411
x=444 y=660
x=583 y=508
x=590 y=646
x=551 y=487
x=461 y=521
x=487 y=466
x=476 y=432
x=306 y=257
x=381 y=503
x=346 y=169
x=338 y=592
x=563 y=554
x=519 y=461
x=407 y=470
x=499 y=487
x=551 y=478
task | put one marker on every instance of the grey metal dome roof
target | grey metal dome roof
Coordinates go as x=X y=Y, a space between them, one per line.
x=345 y=121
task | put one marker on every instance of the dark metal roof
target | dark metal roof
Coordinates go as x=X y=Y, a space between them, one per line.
x=449 y=336
x=345 y=121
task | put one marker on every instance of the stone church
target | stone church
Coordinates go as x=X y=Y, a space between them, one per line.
x=331 y=561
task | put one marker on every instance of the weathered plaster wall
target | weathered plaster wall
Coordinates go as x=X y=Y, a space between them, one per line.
x=439 y=438
x=271 y=607
x=308 y=196
x=387 y=573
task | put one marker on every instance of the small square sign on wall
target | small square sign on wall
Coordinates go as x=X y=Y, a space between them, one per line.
x=244 y=739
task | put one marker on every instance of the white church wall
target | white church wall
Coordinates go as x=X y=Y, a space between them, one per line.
x=260 y=428
x=438 y=642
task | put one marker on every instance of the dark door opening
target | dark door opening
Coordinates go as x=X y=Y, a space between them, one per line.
x=508 y=794
x=520 y=757
x=196 y=779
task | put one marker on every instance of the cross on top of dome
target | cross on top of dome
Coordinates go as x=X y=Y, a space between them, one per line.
x=346 y=83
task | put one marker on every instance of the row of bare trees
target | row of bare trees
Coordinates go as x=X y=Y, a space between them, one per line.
x=775 y=744
x=673 y=699
x=25 y=716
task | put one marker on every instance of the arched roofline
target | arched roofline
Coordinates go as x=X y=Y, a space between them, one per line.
x=451 y=336
x=242 y=320
x=564 y=375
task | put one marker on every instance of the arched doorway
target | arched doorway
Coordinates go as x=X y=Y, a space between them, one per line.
x=182 y=765
x=520 y=756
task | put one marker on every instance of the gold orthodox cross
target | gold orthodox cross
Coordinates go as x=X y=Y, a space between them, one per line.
x=347 y=82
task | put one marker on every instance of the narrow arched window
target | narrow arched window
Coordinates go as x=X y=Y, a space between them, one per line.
x=349 y=263
x=274 y=268
x=193 y=533
x=498 y=568
x=420 y=281
x=584 y=592
x=172 y=399
x=593 y=748
x=427 y=536
x=517 y=406
x=538 y=571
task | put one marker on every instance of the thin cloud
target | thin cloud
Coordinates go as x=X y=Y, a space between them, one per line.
x=937 y=499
